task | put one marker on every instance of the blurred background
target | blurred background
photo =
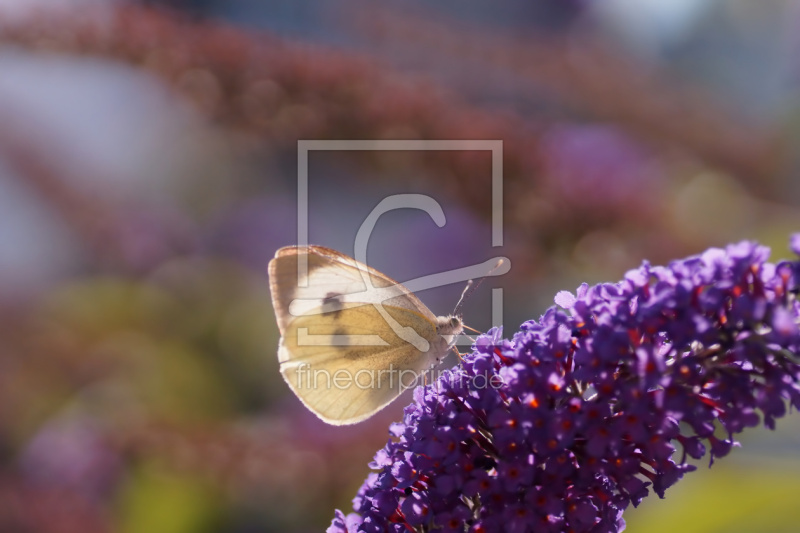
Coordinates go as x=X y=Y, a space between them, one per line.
x=148 y=172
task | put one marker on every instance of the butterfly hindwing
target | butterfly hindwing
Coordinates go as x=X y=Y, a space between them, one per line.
x=347 y=364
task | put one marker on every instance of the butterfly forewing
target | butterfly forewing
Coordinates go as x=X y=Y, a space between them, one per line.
x=329 y=280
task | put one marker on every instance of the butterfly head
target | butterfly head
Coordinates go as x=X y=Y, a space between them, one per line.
x=449 y=327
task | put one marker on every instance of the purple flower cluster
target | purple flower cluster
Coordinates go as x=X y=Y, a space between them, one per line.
x=597 y=403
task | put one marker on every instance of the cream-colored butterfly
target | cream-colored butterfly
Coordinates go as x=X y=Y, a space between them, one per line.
x=352 y=339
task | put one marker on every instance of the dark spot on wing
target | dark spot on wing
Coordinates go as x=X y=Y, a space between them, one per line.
x=341 y=339
x=332 y=303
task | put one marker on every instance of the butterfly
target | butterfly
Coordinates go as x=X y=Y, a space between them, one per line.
x=352 y=338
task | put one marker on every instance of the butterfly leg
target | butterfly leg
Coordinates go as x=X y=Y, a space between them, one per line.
x=459 y=354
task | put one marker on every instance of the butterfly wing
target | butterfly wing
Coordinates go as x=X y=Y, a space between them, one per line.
x=347 y=364
x=328 y=281
x=331 y=328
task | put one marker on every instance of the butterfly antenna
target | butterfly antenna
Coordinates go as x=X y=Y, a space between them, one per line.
x=470 y=288
x=463 y=295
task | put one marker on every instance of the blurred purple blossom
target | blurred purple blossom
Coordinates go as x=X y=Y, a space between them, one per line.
x=252 y=231
x=74 y=455
x=581 y=413
x=598 y=161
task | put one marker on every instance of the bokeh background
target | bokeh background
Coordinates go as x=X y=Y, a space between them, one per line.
x=148 y=172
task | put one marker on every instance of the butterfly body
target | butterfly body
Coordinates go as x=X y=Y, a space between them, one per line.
x=352 y=339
